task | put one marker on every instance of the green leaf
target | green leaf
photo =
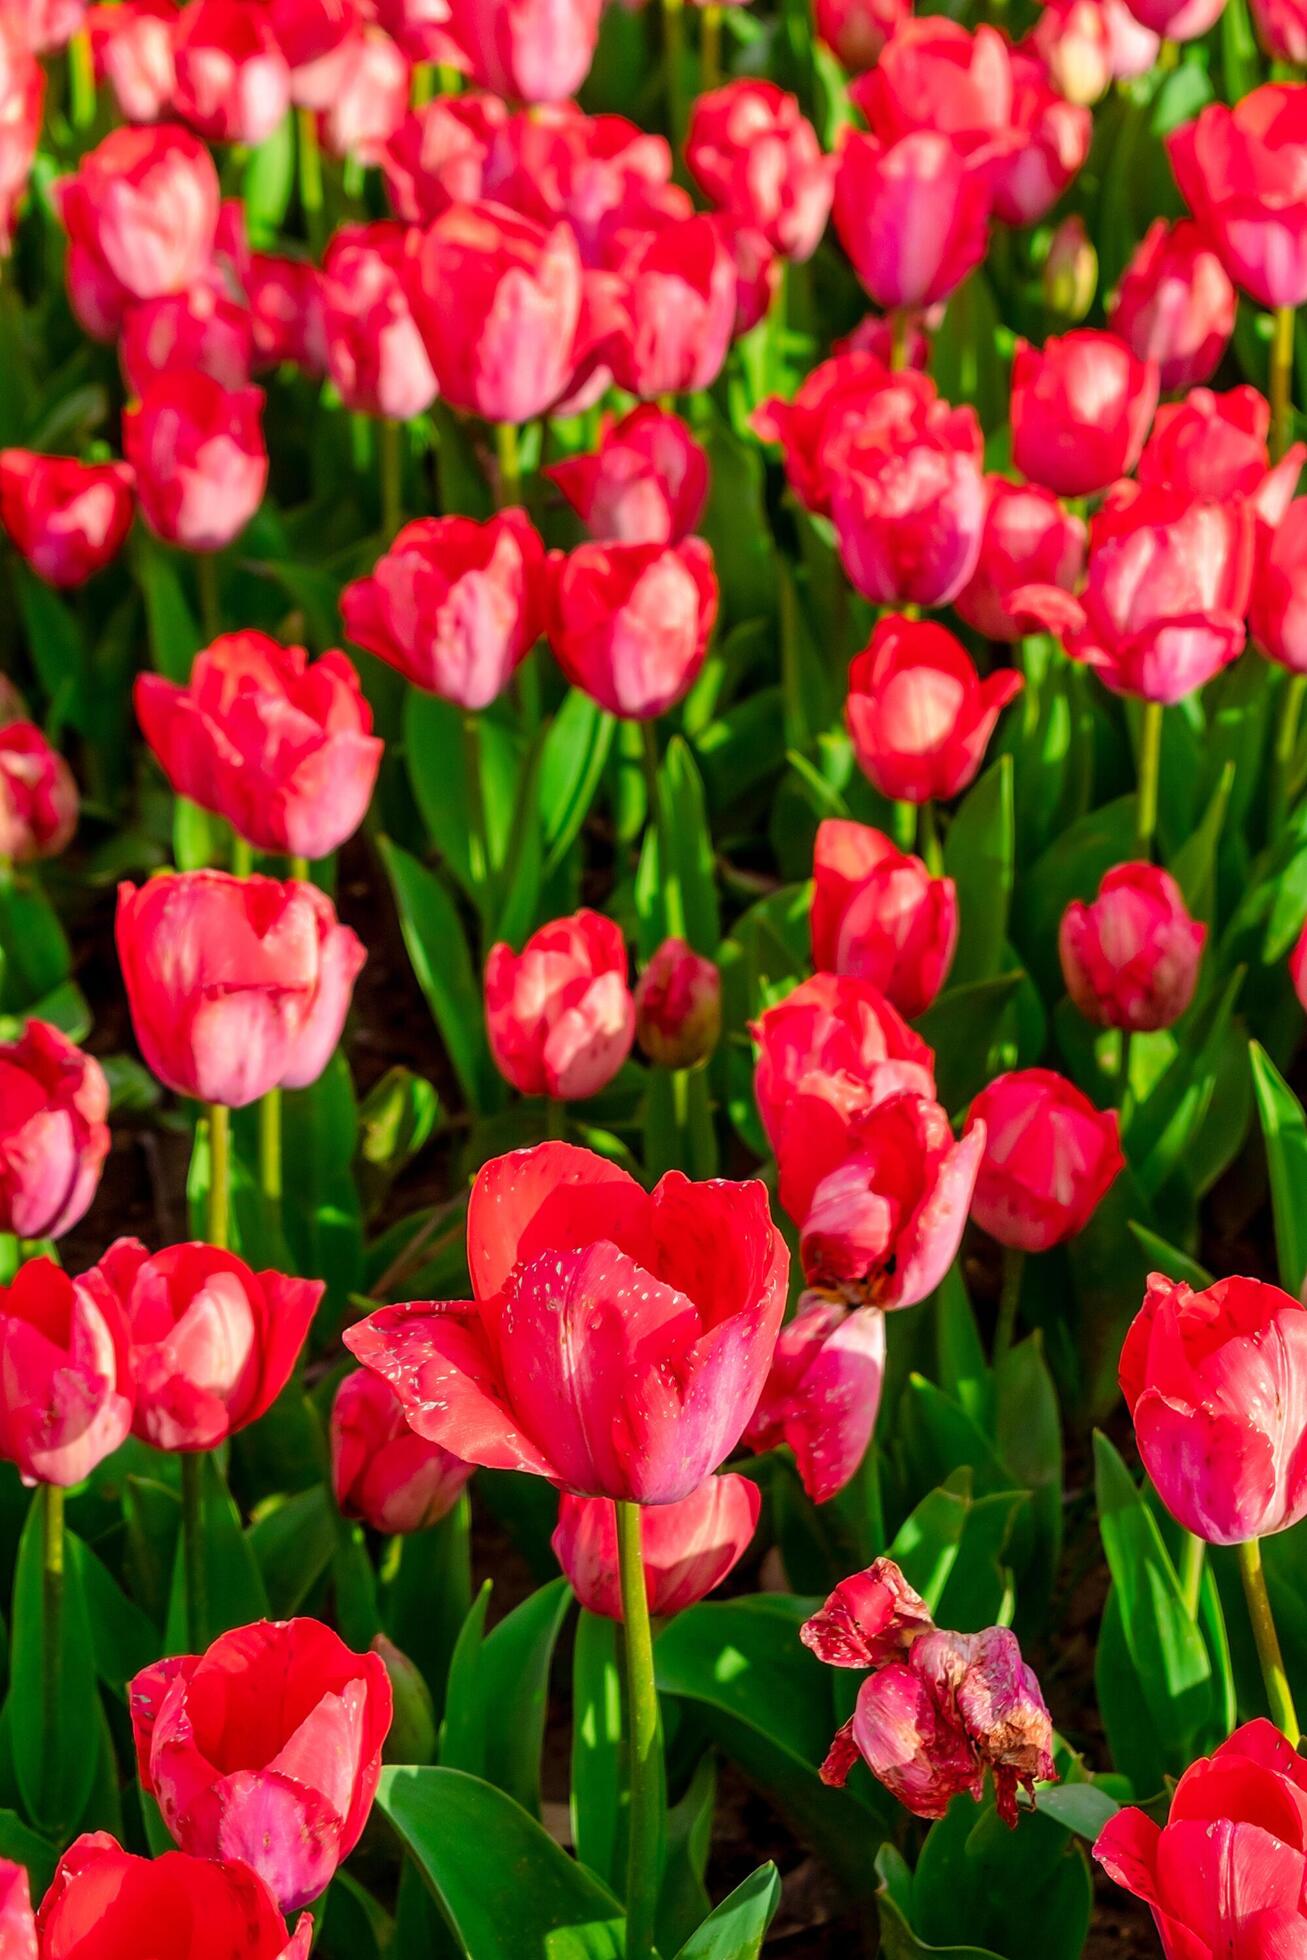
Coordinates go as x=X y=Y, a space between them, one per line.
x=55 y=1771
x=1169 y=1259
x=175 y=638
x=598 y=1794
x=736 y=1930
x=961 y=1027
x=496 y=1715
x=1079 y=1807
x=1284 y=1129
x=433 y=934
x=575 y=756
x=233 y=1585
x=894 y=1902
x=124 y=1639
x=292 y=1540
x=980 y=855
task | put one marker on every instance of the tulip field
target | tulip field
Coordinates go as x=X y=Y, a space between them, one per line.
x=653 y=979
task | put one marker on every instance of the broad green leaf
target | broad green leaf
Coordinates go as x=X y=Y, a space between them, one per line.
x=598 y=1794
x=175 y=638
x=233 y=1585
x=496 y=1716
x=1284 y=1130
x=437 y=946
x=1019 y=1892
x=54 y=1765
x=1169 y=1259
x=961 y=1025
x=979 y=855
x=736 y=1930
x=292 y=1540
x=124 y=1639
x=576 y=752
x=894 y=1903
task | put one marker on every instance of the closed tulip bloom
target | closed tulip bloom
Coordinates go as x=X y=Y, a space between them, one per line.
x=279 y=745
x=67 y=519
x=198 y=453
x=22 y=102
x=836 y=1037
x=1130 y=958
x=1054 y=138
x=286 y=313
x=597 y=172
x=371 y=103
x=1282 y=29
x=877 y=913
x=38 y=797
x=236 y=985
x=1177 y=20
x=617 y=1341
x=912 y=215
x=647 y=482
x=687 y=1548
x=678 y=286
x=1050 y=1158
x=66 y=1363
x=266 y=1750
x=455 y=605
x=630 y=623
x=758 y=273
x=184 y=333
x=919 y=715
x=437 y=155
x=852 y=393
x=857 y=30
x=908 y=505
x=559 y=1014
x=531 y=50
x=54 y=1134
x=131 y=43
x=935 y=74
x=823 y=1393
x=1175 y=304
x=1214 y=447
x=1029 y=538
x=1243 y=174
x=678 y=1006
x=383 y=1472
x=1277 y=612
x=232 y=82
x=1089 y=44
x=1081 y=409
x=375 y=354
x=1227 y=1872
x=757 y=157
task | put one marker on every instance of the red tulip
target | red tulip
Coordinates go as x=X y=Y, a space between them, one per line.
x=421 y=29
x=531 y=50
x=1050 y=1158
x=67 y=519
x=676 y=283
x=17 y=1926
x=822 y=1396
x=375 y=354
x=381 y=1470
x=908 y=504
x=1081 y=408
x=232 y=82
x=372 y=101
x=934 y=74
x=688 y=1548
x=1177 y=20
x=1227 y=1872
x=1028 y=539
x=912 y=215
x=1130 y=959
x=67 y=1370
x=38 y=797
x=758 y=273
x=105 y=1903
x=836 y=1037
x=320 y=41
x=757 y=157
x=201 y=331
x=455 y=605
x=1054 y=142
x=851 y=394
x=597 y=172
x=559 y=1014
x=286 y=313
x=54 y=1137
x=877 y=913
x=678 y=1006
x=1089 y=44
x=869 y=1620
x=1243 y=174
x=437 y=155
x=198 y=452
x=1282 y=29
x=857 y=30
x=630 y=623
x=1175 y=304
x=1277 y=612
x=918 y=713
x=22 y=101
x=131 y=44
x=280 y=746
x=1214 y=447
x=266 y=1750
x=618 y=1340
x=236 y=985
x=647 y=482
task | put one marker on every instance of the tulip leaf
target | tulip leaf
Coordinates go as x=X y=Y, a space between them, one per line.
x=437 y=946
x=34 y=954
x=175 y=638
x=507 y=1891
x=598 y=1799
x=427 y=1594
x=683 y=1900
x=53 y=1761
x=233 y=1586
x=1284 y=1130
x=1071 y=867
x=736 y=1930
x=1020 y=1892
x=124 y=1639
x=576 y=754
x=980 y=856
x=894 y=1905
x=292 y=1540
x=499 y=1685
x=962 y=1026
x=1169 y=1259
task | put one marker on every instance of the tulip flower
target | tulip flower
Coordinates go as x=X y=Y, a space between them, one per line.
x=919 y=716
x=131 y=45
x=66 y=1362
x=213 y=1344
x=320 y=41
x=1277 y=613
x=381 y=1470
x=758 y=159
x=67 y=519
x=1177 y=20
x=1175 y=304
x=822 y=1396
x=1214 y=448
x=1053 y=138
x=198 y=453
x=600 y=173
x=758 y=272
x=935 y=74
x=54 y=1136
x=1243 y=174
x=231 y=79
x=839 y=1038
x=912 y=215
x=265 y=1751
x=200 y=331
x=630 y=623
x=647 y=482
x=878 y=914
x=372 y=101
x=617 y=1341
x=1081 y=408
x=38 y=797
x=286 y=312
x=531 y=50
x=1028 y=539
x=1130 y=958
x=559 y=1014
x=674 y=308
x=869 y=1620
x=375 y=355
x=235 y=985
x=104 y=1902
x=1089 y=44
x=908 y=505
x=437 y=155
x=280 y=746
x=22 y=92
x=856 y=30
x=849 y=394
x=688 y=1547
x=455 y=605
x=1050 y=1158
x=678 y=1006
x=1282 y=29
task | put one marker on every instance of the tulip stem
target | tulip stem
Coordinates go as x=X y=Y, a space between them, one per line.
x=52 y=1613
x=197 y=1605
x=1281 y=380
x=1009 y=1301
x=1278 y=1696
x=899 y=322
x=1286 y=748
x=674 y=62
x=1150 y=759
x=310 y=175
x=1192 y=1552
x=642 y=1729
x=219 y=1224
x=710 y=47
x=242 y=856
x=510 y=465
x=928 y=844
x=206 y=580
x=390 y=446
x=81 y=80
x=270 y=1150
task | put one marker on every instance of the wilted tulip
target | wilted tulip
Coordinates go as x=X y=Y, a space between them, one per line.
x=198 y=453
x=1282 y=29
x=908 y=505
x=381 y=1470
x=280 y=746
x=1175 y=304
x=912 y=215
x=131 y=44
x=531 y=50
x=1277 y=611
x=1029 y=538
x=630 y=623
x=199 y=331
x=645 y=484
x=869 y=1620
x=67 y=519
x=678 y=1006
x=266 y=1750
x=66 y=1363
x=755 y=154
x=38 y=797
x=1214 y=447
x=1130 y=958
x=375 y=354
x=822 y=1396
x=455 y=605
x=1050 y=1158
x=687 y=1548
x=919 y=715
x=836 y=1037
x=618 y=1340
x=22 y=101
x=236 y=985
x=674 y=303
x=54 y=1137
x=1243 y=174
x=437 y=155
x=878 y=913
x=559 y=1014
x=1081 y=408
x=231 y=80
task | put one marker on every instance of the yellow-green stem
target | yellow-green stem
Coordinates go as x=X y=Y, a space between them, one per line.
x=1009 y=1300
x=390 y=446
x=899 y=323
x=929 y=849
x=310 y=176
x=1150 y=760
x=299 y=868
x=510 y=465
x=1267 y=1639
x=270 y=1150
x=52 y=1613
x=642 y=1734
x=1281 y=380
x=480 y=862
x=81 y=80
x=242 y=856
x=219 y=1222
x=710 y=47
x=1285 y=752
x=1192 y=1553
x=197 y=1604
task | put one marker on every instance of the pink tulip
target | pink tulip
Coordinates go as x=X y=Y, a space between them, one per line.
x=22 y=96
x=853 y=393
x=630 y=623
x=232 y=84
x=67 y=519
x=198 y=453
x=1054 y=142
x=1243 y=174
x=38 y=797
x=757 y=157
x=1029 y=539
x=1214 y=448
x=131 y=43
x=678 y=1006
x=381 y=1470
x=531 y=50
x=54 y=1136
x=66 y=1362
x=559 y=1014
x=199 y=331
x=599 y=173
x=1282 y=29
x=1130 y=959
x=908 y=505
x=1277 y=612
x=375 y=355
x=286 y=313
x=372 y=102
x=823 y=1393
x=877 y=913
x=437 y=155
x=919 y=715
x=912 y=215
x=1050 y=1158
x=1175 y=304
x=688 y=1548
x=674 y=301
x=836 y=1037
x=1081 y=408
x=320 y=41
x=857 y=30
x=1177 y=20
x=647 y=482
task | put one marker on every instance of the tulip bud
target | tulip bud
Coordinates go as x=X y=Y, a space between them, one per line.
x=1081 y=408
x=678 y=1006
x=54 y=1137
x=67 y=519
x=382 y=1471
x=1070 y=271
x=1029 y=539
x=38 y=797
x=1130 y=959
x=198 y=452
x=412 y=1737
x=912 y=214
x=630 y=623
x=919 y=715
x=559 y=1014
x=646 y=484
x=758 y=158
x=1050 y=1158
x=877 y=913
x=1175 y=304
x=687 y=1548
x=375 y=354
x=371 y=103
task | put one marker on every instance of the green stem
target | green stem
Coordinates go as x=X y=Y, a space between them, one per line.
x=710 y=48
x=480 y=861
x=270 y=1150
x=510 y=465
x=555 y=1120
x=1192 y=1553
x=81 y=80
x=928 y=844
x=899 y=322
x=1281 y=380
x=1286 y=748
x=197 y=1604
x=1267 y=1639
x=219 y=1225
x=674 y=63
x=242 y=856
x=299 y=869
x=391 y=457
x=1150 y=757
x=1009 y=1301
x=52 y=1613
x=206 y=579
x=642 y=1730
x=310 y=174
